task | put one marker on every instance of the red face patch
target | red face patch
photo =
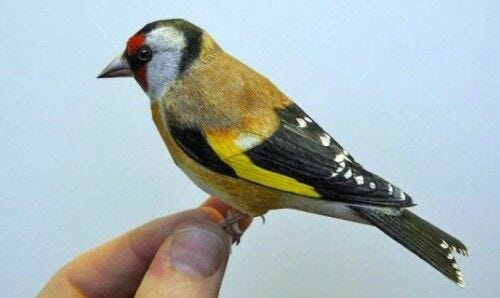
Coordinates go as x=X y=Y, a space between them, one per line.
x=133 y=45
x=140 y=76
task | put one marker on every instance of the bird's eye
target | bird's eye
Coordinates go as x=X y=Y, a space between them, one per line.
x=144 y=54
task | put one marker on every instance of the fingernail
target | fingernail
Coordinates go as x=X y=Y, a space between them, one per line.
x=198 y=250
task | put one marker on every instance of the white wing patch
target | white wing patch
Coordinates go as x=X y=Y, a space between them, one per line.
x=302 y=123
x=247 y=141
x=337 y=164
x=348 y=174
x=390 y=189
x=359 y=180
x=325 y=140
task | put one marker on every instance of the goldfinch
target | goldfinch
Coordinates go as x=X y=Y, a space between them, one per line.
x=239 y=138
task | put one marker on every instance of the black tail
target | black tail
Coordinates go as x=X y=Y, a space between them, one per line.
x=421 y=237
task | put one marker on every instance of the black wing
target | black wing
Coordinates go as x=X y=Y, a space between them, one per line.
x=301 y=149
x=302 y=154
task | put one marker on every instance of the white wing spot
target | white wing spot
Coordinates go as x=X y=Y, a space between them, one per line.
x=247 y=141
x=450 y=256
x=359 y=180
x=402 y=195
x=334 y=174
x=391 y=189
x=302 y=123
x=444 y=245
x=308 y=119
x=455 y=265
x=372 y=185
x=341 y=167
x=325 y=140
x=348 y=174
x=340 y=157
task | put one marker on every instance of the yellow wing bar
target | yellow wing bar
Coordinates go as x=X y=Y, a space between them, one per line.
x=231 y=145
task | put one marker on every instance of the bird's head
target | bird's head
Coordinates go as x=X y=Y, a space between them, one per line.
x=157 y=55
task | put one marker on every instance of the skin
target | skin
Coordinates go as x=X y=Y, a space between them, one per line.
x=150 y=261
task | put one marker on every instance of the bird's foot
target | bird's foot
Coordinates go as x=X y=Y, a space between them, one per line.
x=230 y=224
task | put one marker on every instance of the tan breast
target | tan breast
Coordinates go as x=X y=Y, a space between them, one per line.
x=218 y=92
x=248 y=197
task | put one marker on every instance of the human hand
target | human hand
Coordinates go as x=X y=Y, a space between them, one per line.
x=180 y=255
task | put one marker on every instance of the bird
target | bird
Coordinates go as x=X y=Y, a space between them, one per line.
x=242 y=140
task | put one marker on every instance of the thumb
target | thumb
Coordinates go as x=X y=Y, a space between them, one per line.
x=190 y=263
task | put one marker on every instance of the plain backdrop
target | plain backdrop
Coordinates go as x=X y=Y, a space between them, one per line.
x=411 y=89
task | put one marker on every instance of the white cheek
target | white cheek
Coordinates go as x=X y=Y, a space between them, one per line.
x=167 y=44
x=161 y=71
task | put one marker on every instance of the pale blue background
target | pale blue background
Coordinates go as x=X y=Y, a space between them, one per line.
x=411 y=90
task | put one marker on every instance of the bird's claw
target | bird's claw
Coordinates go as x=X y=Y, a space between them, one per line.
x=230 y=225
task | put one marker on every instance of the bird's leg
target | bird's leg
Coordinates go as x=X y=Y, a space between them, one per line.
x=263 y=219
x=230 y=224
